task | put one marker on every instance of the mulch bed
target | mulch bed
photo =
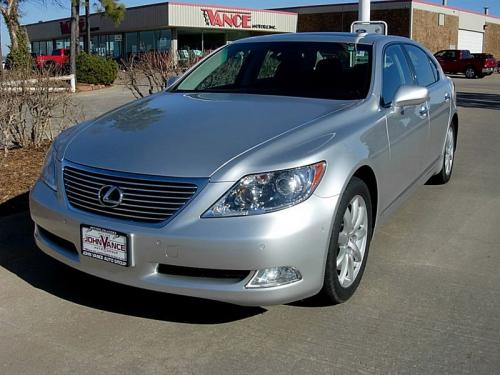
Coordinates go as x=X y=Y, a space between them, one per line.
x=18 y=173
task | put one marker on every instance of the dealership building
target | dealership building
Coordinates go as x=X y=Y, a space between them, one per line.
x=192 y=29
x=176 y=27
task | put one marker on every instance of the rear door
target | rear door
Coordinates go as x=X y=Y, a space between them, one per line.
x=407 y=127
x=427 y=75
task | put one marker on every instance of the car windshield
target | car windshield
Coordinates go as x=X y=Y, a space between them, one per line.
x=317 y=70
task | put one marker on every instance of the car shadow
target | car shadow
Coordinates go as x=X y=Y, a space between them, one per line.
x=478 y=100
x=19 y=255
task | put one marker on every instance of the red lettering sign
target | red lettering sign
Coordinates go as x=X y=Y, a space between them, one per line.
x=223 y=18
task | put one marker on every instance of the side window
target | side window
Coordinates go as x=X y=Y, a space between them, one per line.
x=395 y=74
x=424 y=71
x=434 y=69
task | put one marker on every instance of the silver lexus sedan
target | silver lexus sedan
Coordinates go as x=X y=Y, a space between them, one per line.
x=259 y=176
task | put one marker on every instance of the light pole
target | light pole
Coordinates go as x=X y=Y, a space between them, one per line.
x=364 y=10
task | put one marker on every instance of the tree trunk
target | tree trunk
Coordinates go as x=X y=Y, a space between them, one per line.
x=13 y=27
x=87 y=26
x=77 y=27
x=75 y=35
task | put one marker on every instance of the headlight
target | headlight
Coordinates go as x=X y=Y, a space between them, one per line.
x=265 y=192
x=49 y=169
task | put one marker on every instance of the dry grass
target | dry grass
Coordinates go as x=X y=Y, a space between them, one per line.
x=19 y=170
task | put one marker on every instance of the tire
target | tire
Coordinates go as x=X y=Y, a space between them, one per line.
x=337 y=286
x=446 y=171
x=470 y=72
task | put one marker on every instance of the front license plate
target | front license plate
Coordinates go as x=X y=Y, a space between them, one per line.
x=105 y=245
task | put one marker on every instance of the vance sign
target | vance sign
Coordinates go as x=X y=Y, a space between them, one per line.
x=227 y=18
x=190 y=15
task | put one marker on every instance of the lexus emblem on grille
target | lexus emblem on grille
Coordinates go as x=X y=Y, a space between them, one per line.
x=110 y=196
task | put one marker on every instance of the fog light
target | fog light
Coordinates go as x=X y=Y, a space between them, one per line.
x=274 y=276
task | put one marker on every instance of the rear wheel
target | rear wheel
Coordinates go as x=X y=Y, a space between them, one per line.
x=349 y=244
x=470 y=72
x=448 y=159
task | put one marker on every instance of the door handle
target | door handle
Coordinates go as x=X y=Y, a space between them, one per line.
x=447 y=97
x=423 y=111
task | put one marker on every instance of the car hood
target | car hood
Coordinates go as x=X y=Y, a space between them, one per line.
x=189 y=135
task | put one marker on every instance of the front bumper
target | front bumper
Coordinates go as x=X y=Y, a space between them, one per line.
x=297 y=237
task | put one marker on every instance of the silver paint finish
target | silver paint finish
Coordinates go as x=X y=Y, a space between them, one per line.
x=223 y=137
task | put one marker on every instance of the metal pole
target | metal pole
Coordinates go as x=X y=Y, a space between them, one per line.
x=364 y=10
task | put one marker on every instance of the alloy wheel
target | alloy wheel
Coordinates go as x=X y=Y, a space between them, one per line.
x=449 y=151
x=352 y=241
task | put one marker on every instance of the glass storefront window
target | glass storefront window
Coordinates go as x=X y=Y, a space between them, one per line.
x=163 y=40
x=146 y=41
x=35 y=48
x=132 y=43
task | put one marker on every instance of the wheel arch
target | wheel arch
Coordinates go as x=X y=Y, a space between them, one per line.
x=454 y=124
x=366 y=174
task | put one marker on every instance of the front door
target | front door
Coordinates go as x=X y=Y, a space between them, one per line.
x=407 y=128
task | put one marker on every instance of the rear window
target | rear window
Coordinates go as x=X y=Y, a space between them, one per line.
x=318 y=70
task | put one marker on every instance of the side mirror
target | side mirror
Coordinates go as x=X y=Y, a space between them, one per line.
x=410 y=95
x=171 y=81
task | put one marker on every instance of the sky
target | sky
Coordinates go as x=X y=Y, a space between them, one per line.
x=35 y=10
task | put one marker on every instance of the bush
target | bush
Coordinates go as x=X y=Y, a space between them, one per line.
x=20 y=58
x=95 y=69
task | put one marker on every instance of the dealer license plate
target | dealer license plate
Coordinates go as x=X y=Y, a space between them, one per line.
x=105 y=245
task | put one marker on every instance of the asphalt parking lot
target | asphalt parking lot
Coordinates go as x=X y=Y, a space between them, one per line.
x=429 y=302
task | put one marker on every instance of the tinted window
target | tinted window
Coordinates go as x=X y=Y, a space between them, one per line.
x=319 y=70
x=395 y=74
x=447 y=55
x=56 y=52
x=423 y=67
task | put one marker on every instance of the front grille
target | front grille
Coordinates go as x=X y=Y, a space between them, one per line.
x=145 y=199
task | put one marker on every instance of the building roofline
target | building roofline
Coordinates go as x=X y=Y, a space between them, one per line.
x=343 y=4
x=455 y=8
x=464 y=10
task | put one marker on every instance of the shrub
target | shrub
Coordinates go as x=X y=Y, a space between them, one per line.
x=20 y=58
x=95 y=69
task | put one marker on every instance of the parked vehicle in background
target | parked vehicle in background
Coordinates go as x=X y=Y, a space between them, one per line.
x=58 y=60
x=257 y=178
x=454 y=61
x=489 y=62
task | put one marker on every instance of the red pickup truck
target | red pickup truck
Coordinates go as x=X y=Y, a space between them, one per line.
x=59 y=59
x=489 y=61
x=454 y=61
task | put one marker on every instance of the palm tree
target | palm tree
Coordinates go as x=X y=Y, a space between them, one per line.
x=111 y=9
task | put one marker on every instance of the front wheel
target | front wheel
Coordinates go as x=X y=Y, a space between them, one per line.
x=349 y=243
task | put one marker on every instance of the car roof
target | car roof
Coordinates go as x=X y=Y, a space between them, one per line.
x=326 y=37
